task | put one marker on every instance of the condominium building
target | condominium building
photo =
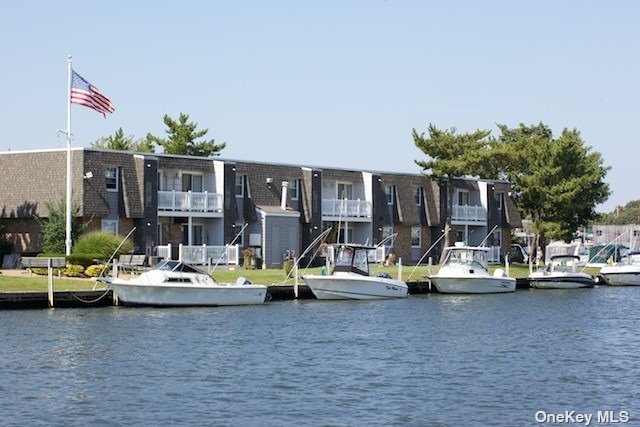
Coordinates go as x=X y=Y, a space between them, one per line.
x=201 y=209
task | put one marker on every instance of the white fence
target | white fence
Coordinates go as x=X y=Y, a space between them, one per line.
x=189 y=201
x=346 y=208
x=203 y=254
x=468 y=213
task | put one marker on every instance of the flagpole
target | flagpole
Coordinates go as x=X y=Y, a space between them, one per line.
x=68 y=210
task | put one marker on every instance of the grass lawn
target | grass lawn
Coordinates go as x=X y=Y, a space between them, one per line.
x=34 y=283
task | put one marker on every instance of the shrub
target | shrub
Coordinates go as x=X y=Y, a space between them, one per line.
x=45 y=271
x=95 y=270
x=102 y=244
x=73 y=271
x=85 y=260
x=287 y=265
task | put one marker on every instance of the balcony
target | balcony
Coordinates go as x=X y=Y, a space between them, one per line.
x=344 y=209
x=468 y=215
x=180 y=203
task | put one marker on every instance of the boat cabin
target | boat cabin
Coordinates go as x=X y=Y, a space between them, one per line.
x=466 y=256
x=353 y=258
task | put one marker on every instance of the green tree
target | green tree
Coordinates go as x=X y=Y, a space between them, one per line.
x=54 y=227
x=557 y=181
x=623 y=215
x=182 y=136
x=451 y=155
x=124 y=143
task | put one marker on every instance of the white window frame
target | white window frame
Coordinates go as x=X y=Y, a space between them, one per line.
x=192 y=174
x=387 y=230
x=345 y=185
x=419 y=230
x=390 y=194
x=294 y=184
x=417 y=192
x=499 y=196
x=459 y=193
x=117 y=178
x=107 y=225
x=242 y=183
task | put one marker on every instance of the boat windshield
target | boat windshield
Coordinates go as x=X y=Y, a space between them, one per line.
x=175 y=266
x=632 y=258
x=349 y=257
x=467 y=258
x=563 y=264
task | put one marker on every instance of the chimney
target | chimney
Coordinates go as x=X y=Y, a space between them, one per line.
x=283 y=200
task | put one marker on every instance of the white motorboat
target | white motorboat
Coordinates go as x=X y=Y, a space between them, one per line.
x=625 y=272
x=350 y=278
x=465 y=271
x=173 y=283
x=561 y=274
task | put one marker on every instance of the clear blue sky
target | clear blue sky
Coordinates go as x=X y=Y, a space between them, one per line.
x=335 y=83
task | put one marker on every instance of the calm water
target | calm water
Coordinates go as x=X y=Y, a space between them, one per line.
x=433 y=359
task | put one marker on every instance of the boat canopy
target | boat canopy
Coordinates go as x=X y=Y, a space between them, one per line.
x=353 y=258
x=468 y=256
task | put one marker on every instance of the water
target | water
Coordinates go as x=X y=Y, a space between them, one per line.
x=432 y=359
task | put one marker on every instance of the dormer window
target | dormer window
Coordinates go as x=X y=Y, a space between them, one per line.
x=417 y=195
x=111 y=179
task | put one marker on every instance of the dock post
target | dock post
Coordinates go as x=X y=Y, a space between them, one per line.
x=49 y=283
x=399 y=268
x=295 y=276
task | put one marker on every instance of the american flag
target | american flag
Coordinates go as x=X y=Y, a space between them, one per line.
x=84 y=93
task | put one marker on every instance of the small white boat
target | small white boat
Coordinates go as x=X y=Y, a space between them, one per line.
x=625 y=272
x=173 y=283
x=465 y=271
x=561 y=274
x=350 y=278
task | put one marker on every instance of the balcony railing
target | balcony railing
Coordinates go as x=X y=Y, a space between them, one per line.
x=189 y=201
x=344 y=208
x=203 y=254
x=469 y=213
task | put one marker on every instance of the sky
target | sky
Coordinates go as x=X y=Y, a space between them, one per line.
x=328 y=83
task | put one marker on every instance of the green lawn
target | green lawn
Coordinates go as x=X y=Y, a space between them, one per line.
x=26 y=283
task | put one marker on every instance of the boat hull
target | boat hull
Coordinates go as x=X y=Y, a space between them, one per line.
x=566 y=283
x=356 y=287
x=166 y=295
x=621 y=279
x=473 y=285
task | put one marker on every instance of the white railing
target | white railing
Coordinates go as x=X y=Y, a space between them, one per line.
x=189 y=201
x=203 y=254
x=346 y=208
x=493 y=255
x=468 y=213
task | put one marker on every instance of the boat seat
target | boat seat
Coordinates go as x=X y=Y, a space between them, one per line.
x=499 y=273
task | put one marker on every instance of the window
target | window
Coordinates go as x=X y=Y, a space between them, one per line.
x=460 y=236
x=387 y=231
x=160 y=183
x=499 y=195
x=192 y=182
x=239 y=185
x=294 y=190
x=109 y=226
x=198 y=233
x=463 y=198
x=416 y=237
x=417 y=195
x=388 y=190
x=497 y=238
x=111 y=179
x=344 y=191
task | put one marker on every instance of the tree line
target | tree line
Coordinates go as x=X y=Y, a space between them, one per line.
x=556 y=181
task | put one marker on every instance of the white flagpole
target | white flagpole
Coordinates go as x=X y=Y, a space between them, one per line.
x=68 y=210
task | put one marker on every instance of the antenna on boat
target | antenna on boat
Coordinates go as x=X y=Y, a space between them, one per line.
x=488 y=234
x=227 y=247
x=424 y=255
x=116 y=251
x=320 y=238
